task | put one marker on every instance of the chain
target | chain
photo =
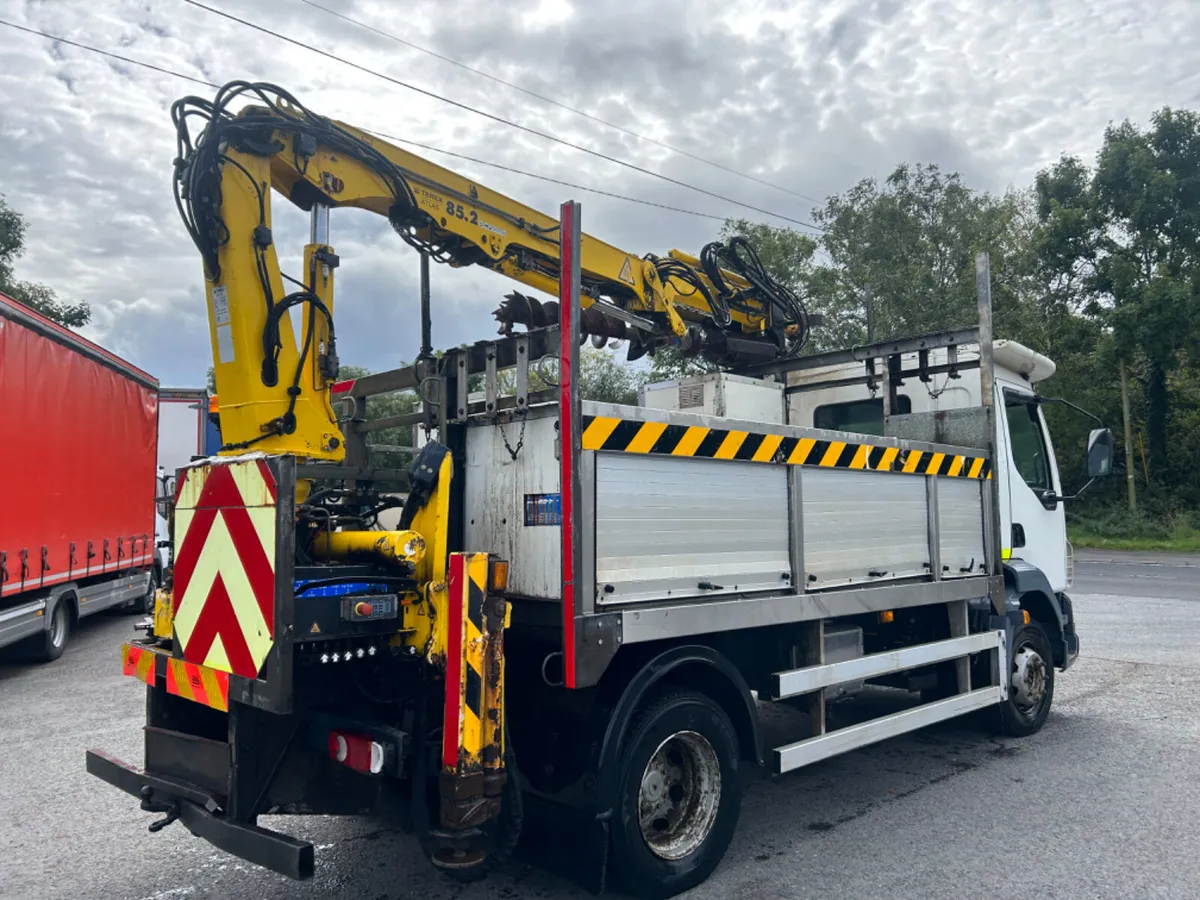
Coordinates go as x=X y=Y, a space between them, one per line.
x=520 y=439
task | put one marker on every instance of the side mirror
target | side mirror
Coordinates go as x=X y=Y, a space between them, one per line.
x=166 y=491
x=1099 y=453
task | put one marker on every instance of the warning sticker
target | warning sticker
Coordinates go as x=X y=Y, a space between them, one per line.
x=220 y=302
x=543 y=509
x=626 y=272
x=225 y=343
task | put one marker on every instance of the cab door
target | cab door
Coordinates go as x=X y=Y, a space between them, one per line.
x=1033 y=523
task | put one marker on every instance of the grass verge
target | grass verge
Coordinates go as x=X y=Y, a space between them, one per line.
x=1175 y=540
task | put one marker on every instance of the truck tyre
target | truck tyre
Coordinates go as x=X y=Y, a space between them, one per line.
x=1031 y=683
x=54 y=638
x=679 y=795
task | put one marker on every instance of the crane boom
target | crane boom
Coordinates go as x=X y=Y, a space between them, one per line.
x=274 y=394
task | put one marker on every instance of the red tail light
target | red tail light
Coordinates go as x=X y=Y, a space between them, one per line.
x=357 y=751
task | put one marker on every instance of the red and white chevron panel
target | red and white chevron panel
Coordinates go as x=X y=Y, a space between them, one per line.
x=224 y=594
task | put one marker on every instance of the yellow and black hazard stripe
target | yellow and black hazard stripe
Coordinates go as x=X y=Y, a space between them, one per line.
x=464 y=734
x=473 y=695
x=658 y=438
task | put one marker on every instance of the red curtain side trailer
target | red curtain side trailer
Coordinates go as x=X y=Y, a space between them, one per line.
x=77 y=473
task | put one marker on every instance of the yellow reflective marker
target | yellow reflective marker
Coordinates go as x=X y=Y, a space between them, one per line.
x=833 y=453
x=800 y=454
x=644 y=440
x=598 y=432
x=730 y=446
x=691 y=441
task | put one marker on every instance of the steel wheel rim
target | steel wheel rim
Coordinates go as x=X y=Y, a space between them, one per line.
x=1030 y=681
x=58 y=626
x=679 y=795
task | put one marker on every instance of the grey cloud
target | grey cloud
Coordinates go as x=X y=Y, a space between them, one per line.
x=811 y=95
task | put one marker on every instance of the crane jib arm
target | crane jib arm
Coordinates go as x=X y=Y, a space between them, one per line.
x=274 y=385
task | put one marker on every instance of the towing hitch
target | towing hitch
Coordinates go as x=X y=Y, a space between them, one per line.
x=201 y=815
x=149 y=804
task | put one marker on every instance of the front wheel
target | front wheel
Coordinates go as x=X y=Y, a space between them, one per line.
x=1030 y=683
x=679 y=795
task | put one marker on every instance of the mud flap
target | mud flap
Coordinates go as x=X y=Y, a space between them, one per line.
x=568 y=842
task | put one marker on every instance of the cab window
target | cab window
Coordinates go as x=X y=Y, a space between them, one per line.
x=858 y=416
x=1027 y=441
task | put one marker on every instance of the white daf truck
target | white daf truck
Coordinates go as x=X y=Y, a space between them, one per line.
x=885 y=516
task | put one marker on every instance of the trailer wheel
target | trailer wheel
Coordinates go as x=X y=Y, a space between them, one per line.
x=54 y=638
x=1031 y=683
x=679 y=795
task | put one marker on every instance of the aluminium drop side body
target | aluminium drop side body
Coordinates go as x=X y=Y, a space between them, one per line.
x=654 y=554
x=77 y=467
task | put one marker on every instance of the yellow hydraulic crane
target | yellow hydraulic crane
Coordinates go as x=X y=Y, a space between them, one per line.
x=441 y=608
x=274 y=395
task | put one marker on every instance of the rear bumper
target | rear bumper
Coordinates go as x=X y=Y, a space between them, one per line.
x=199 y=812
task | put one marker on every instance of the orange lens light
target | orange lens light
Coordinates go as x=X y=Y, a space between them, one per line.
x=498 y=578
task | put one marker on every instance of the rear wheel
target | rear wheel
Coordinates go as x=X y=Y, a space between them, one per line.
x=54 y=638
x=1030 y=684
x=679 y=795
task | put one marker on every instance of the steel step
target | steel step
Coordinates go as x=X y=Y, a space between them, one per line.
x=815 y=678
x=802 y=753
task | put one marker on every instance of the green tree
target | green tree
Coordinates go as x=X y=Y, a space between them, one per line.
x=605 y=378
x=902 y=256
x=1147 y=188
x=386 y=442
x=1068 y=239
x=602 y=377
x=1121 y=246
x=38 y=296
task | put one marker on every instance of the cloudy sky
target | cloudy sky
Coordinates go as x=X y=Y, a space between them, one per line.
x=811 y=95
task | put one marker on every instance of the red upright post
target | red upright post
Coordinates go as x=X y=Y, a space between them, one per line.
x=569 y=423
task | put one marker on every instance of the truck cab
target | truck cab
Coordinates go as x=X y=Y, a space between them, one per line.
x=1032 y=519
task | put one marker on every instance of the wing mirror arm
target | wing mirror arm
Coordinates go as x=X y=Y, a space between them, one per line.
x=1099 y=449
x=1050 y=499
x=1067 y=403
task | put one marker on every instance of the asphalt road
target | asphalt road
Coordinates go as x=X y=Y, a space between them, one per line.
x=1102 y=803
